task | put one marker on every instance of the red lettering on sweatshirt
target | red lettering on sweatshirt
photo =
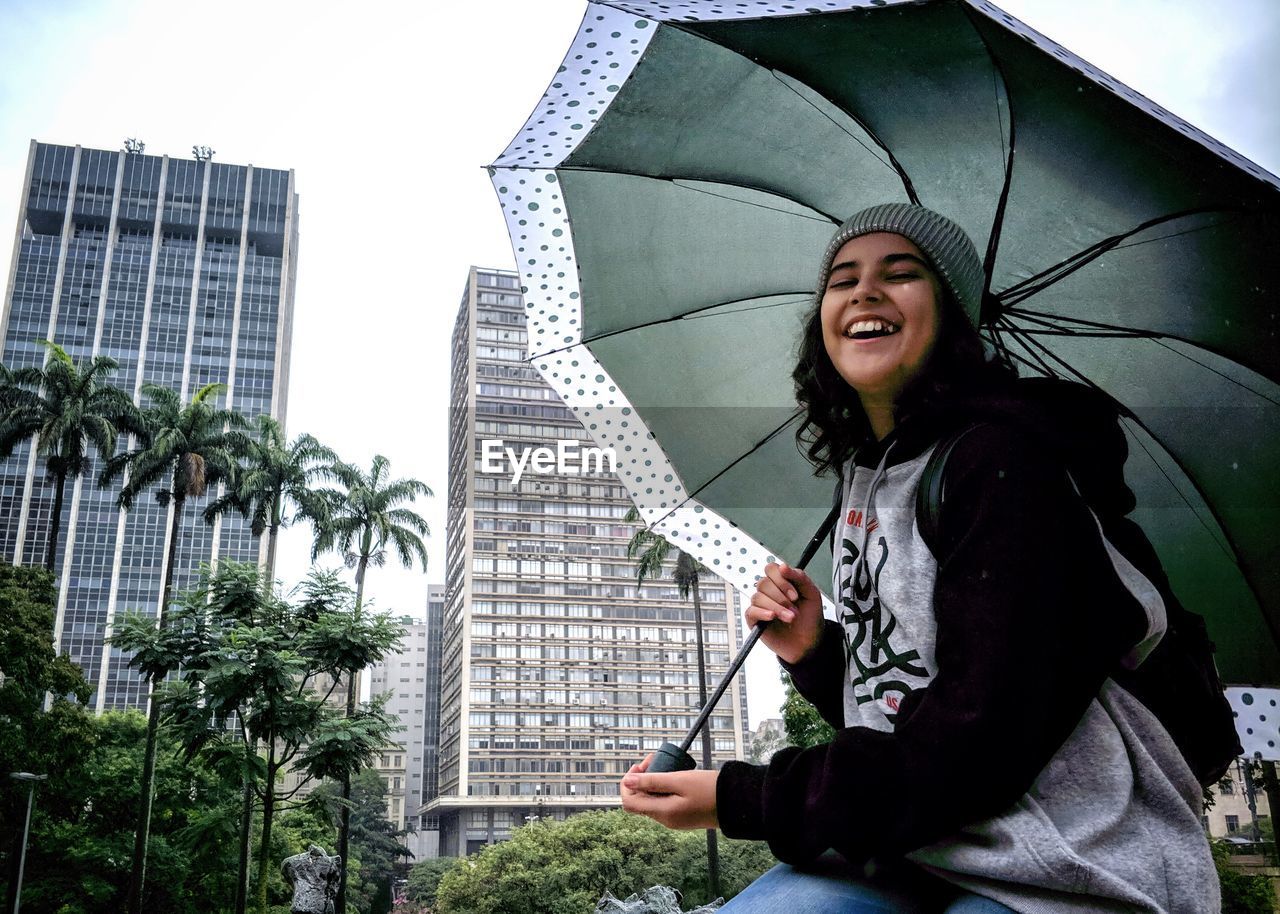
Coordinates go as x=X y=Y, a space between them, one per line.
x=854 y=519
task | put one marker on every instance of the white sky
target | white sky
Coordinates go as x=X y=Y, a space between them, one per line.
x=388 y=113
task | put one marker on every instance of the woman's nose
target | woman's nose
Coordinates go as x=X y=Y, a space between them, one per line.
x=865 y=292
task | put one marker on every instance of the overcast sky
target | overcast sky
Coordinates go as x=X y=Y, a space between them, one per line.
x=388 y=113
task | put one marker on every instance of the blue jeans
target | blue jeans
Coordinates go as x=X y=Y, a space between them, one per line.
x=830 y=886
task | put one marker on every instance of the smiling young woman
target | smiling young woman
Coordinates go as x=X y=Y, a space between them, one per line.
x=986 y=759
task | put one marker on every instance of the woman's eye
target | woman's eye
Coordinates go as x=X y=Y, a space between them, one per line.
x=842 y=283
x=903 y=276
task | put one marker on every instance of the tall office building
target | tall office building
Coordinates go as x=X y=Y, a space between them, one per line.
x=183 y=272
x=558 y=673
x=412 y=678
x=429 y=825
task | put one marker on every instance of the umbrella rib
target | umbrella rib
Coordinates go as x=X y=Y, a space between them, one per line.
x=1113 y=332
x=796 y=301
x=892 y=165
x=1189 y=231
x=741 y=457
x=997 y=222
x=775 y=209
x=893 y=161
x=1038 y=365
x=1052 y=329
x=1025 y=288
x=1228 y=548
x=674 y=317
x=675 y=180
x=1220 y=374
x=1012 y=330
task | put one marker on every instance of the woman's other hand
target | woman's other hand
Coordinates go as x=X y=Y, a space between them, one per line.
x=790 y=602
x=676 y=799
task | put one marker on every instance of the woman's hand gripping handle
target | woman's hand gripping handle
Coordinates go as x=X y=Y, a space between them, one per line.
x=790 y=602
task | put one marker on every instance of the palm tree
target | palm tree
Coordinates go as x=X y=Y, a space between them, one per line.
x=70 y=409
x=183 y=449
x=650 y=552
x=366 y=518
x=277 y=475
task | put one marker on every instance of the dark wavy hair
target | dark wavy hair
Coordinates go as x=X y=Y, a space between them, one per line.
x=835 y=425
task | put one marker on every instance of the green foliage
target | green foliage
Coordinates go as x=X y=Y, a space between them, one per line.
x=373 y=840
x=70 y=409
x=183 y=447
x=741 y=863
x=1241 y=894
x=425 y=876
x=366 y=518
x=804 y=725
x=277 y=475
x=565 y=867
x=253 y=658
x=82 y=830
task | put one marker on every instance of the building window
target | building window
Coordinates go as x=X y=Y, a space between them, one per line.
x=1233 y=825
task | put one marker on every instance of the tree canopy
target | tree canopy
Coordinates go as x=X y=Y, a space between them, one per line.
x=551 y=867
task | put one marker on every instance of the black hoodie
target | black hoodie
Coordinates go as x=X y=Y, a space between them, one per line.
x=1027 y=622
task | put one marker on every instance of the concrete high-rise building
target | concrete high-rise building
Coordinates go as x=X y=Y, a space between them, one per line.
x=183 y=272
x=429 y=825
x=413 y=680
x=558 y=673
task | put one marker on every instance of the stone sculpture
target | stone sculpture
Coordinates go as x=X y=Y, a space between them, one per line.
x=313 y=876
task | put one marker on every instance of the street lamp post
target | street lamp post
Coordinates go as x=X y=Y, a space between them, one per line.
x=31 y=780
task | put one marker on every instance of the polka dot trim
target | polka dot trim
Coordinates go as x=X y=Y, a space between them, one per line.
x=1257 y=721
x=711 y=10
x=609 y=44
x=1115 y=87
x=539 y=230
x=645 y=469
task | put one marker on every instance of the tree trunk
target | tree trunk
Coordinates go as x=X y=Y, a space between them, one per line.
x=142 y=832
x=713 y=853
x=1271 y=786
x=271 y=554
x=55 y=523
x=246 y=813
x=246 y=825
x=268 y=813
x=344 y=816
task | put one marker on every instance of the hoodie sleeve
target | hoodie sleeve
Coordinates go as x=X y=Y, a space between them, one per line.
x=1031 y=619
x=819 y=676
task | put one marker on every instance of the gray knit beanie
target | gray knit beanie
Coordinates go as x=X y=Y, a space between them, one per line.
x=946 y=246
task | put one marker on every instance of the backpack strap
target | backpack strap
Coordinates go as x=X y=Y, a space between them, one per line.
x=829 y=525
x=932 y=487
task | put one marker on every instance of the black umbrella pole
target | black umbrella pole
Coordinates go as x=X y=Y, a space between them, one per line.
x=671 y=757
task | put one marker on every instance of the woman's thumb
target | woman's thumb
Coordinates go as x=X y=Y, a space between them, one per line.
x=796 y=576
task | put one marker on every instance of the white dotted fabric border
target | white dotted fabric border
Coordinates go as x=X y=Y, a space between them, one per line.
x=1257 y=721
x=539 y=229
x=1115 y=87
x=606 y=49
x=711 y=10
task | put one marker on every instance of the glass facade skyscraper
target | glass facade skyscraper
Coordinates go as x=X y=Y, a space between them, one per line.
x=183 y=272
x=558 y=672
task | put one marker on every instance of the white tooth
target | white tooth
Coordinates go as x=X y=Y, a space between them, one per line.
x=871 y=325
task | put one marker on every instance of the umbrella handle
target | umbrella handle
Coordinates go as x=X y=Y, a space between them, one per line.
x=670 y=757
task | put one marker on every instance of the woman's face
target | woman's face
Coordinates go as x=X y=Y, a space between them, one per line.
x=880 y=314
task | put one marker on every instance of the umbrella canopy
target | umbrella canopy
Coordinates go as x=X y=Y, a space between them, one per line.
x=669 y=200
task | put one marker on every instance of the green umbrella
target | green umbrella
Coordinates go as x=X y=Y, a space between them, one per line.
x=669 y=199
